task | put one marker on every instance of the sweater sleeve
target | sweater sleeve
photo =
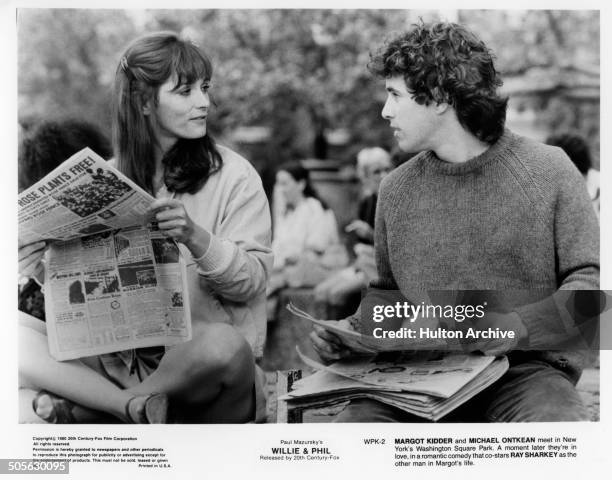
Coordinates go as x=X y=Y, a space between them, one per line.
x=239 y=258
x=576 y=234
x=385 y=280
x=577 y=260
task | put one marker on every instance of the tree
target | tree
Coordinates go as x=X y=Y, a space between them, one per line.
x=302 y=73
x=66 y=62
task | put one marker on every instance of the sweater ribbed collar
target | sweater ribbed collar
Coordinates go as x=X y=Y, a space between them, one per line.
x=493 y=153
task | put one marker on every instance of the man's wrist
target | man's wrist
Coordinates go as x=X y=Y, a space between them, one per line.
x=520 y=329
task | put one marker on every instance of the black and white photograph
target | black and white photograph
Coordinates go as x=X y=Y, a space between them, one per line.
x=75 y=293
x=88 y=198
x=101 y=282
x=137 y=275
x=165 y=250
x=384 y=218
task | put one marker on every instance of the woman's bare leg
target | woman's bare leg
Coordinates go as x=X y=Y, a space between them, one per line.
x=210 y=377
x=70 y=379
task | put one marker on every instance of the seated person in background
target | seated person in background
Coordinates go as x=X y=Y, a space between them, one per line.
x=344 y=287
x=305 y=239
x=43 y=147
x=577 y=150
x=372 y=165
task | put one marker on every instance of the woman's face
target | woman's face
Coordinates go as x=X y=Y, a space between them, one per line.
x=179 y=113
x=289 y=188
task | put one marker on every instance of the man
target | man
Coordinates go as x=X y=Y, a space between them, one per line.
x=372 y=166
x=479 y=209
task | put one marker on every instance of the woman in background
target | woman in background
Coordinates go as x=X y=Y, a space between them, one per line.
x=306 y=244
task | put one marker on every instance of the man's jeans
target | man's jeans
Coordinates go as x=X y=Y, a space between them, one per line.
x=532 y=391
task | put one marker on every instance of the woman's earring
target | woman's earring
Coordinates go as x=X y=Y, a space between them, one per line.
x=146 y=108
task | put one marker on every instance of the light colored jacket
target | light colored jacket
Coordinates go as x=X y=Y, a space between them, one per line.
x=308 y=227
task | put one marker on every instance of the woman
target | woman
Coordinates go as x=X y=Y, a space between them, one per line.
x=211 y=201
x=306 y=244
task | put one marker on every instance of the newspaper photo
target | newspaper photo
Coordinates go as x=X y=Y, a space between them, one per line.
x=111 y=282
x=83 y=196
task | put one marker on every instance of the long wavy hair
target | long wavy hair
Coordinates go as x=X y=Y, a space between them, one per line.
x=148 y=62
x=446 y=63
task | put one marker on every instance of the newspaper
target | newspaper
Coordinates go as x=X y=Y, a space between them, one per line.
x=112 y=280
x=429 y=388
x=421 y=378
x=324 y=390
x=435 y=373
x=365 y=344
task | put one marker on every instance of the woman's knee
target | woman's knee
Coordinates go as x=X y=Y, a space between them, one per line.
x=219 y=349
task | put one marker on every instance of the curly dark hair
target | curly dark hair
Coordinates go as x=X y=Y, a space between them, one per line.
x=47 y=143
x=446 y=63
x=576 y=149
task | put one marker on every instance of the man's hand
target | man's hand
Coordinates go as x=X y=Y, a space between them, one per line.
x=328 y=346
x=506 y=323
x=362 y=229
x=365 y=261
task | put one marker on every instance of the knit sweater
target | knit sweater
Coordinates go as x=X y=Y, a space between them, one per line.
x=518 y=216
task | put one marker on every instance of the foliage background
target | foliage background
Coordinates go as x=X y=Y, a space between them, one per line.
x=301 y=74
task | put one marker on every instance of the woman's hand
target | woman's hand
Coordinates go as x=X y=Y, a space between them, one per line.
x=174 y=221
x=30 y=259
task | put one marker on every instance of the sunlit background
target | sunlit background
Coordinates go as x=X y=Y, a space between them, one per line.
x=293 y=84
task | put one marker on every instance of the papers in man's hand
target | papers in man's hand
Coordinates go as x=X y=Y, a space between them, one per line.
x=352 y=339
x=365 y=343
x=427 y=387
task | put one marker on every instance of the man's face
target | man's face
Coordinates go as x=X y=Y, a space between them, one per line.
x=374 y=172
x=414 y=125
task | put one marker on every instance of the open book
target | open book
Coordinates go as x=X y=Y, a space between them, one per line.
x=112 y=280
